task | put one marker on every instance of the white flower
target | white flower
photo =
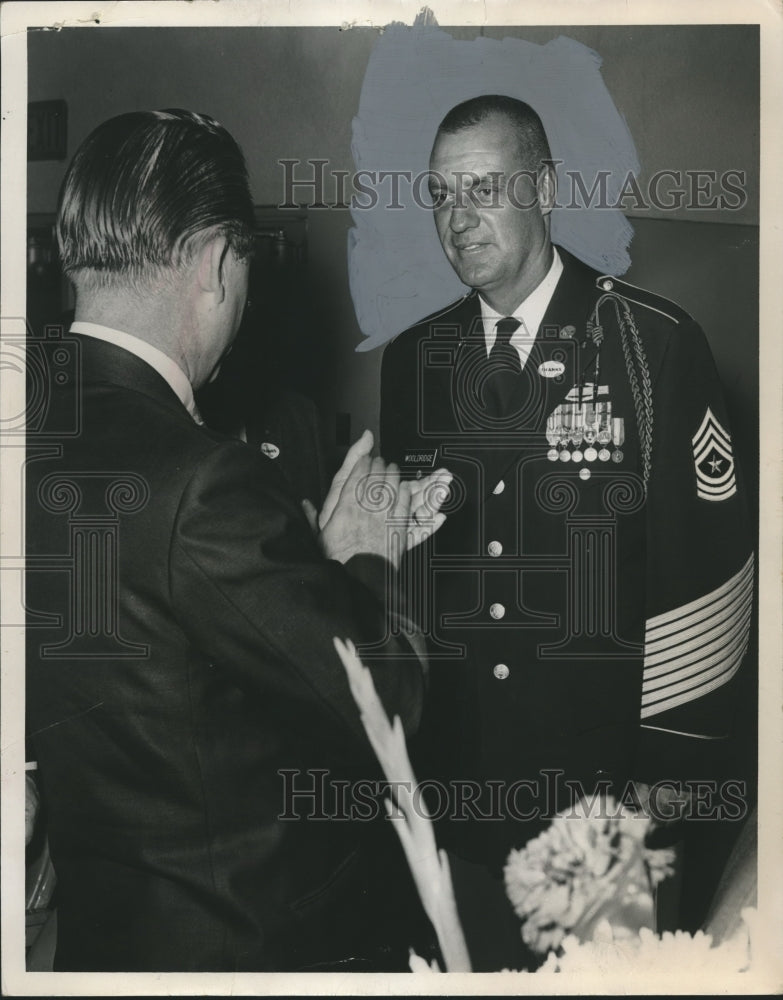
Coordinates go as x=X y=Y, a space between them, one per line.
x=645 y=954
x=590 y=863
x=418 y=964
x=660 y=864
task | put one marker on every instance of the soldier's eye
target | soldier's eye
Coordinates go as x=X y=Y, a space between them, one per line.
x=485 y=194
x=439 y=197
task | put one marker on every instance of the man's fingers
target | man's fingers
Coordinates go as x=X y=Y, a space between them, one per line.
x=359 y=449
x=311 y=514
x=420 y=530
x=361 y=446
x=379 y=490
x=361 y=470
x=432 y=491
x=398 y=492
x=402 y=495
x=434 y=478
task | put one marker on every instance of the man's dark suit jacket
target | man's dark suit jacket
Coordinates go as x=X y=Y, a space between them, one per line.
x=180 y=656
x=580 y=628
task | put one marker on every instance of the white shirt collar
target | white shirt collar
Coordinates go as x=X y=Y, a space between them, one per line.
x=155 y=358
x=530 y=312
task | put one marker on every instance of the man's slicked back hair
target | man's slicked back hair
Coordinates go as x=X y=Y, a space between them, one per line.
x=525 y=122
x=145 y=191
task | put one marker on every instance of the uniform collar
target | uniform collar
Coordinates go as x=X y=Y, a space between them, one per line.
x=530 y=312
x=168 y=369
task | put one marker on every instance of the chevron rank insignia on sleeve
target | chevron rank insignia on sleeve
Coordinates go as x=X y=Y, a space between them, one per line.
x=714 y=461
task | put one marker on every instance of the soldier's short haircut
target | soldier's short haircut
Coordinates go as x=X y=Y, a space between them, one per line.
x=524 y=121
x=144 y=193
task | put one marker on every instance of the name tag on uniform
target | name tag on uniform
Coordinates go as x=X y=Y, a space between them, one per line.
x=420 y=458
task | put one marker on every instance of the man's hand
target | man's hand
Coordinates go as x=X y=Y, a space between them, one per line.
x=427 y=497
x=370 y=510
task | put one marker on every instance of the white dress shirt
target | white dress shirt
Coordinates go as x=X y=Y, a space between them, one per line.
x=530 y=313
x=155 y=358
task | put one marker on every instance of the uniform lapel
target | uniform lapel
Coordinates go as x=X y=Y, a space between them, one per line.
x=561 y=347
x=563 y=354
x=470 y=355
x=560 y=359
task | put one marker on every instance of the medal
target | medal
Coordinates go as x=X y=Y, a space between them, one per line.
x=589 y=419
x=552 y=454
x=574 y=425
x=576 y=455
x=584 y=473
x=618 y=437
x=603 y=455
x=590 y=454
x=565 y=455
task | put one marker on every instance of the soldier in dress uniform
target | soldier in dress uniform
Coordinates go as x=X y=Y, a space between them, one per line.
x=588 y=601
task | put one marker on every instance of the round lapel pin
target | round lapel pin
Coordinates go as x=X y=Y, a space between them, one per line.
x=551 y=369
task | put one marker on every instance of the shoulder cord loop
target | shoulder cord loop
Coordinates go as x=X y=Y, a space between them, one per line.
x=638 y=372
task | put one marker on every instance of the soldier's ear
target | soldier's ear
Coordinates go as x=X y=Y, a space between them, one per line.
x=546 y=187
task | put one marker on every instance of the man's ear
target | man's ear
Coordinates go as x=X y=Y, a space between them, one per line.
x=210 y=266
x=546 y=188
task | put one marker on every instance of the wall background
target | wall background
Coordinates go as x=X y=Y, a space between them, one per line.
x=689 y=94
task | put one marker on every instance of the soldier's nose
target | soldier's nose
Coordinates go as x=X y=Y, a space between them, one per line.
x=463 y=217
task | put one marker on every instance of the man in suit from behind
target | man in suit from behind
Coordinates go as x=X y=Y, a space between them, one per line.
x=181 y=675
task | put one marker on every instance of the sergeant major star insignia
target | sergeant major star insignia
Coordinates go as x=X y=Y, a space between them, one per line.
x=714 y=460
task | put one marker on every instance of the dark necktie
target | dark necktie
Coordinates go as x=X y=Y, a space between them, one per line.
x=503 y=385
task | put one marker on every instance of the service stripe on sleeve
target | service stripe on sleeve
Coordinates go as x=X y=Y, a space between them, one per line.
x=691 y=650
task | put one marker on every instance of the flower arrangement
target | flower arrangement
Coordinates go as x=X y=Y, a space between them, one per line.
x=582 y=888
x=590 y=863
x=643 y=955
x=647 y=953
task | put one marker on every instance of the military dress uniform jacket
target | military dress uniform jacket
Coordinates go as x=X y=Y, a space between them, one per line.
x=180 y=656
x=587 y=615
